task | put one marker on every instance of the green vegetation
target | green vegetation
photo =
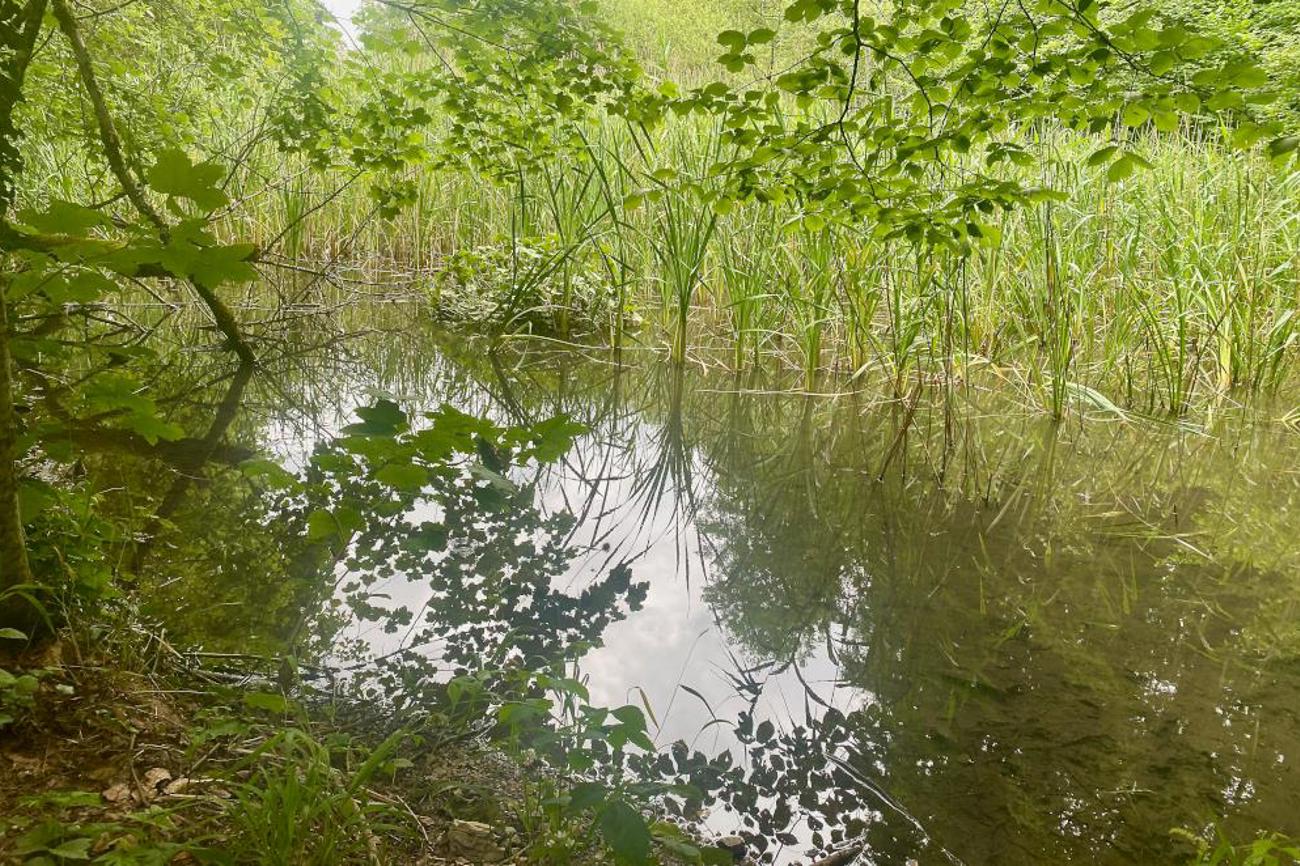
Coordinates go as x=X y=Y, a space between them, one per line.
x=321 y=578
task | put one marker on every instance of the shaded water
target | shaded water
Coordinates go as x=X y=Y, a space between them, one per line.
x=978 y=637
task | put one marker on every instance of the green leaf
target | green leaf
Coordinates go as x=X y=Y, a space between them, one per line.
x=89 y=286
x=1135 y=114
x=631 y=716
x=1245 y=73
x=1173 y=36
x=1187 y=102
x=269 y=701
x=1102 y=155
x=214 y=266
x=34 y=496
x=269 y=471
x=1225 y=100
x=406 y=477
x=553 y=437
x=625 y=832
x=1121 y=168
x=1247 y=134
x=496 y=479
x=74 y=849
x=732 y=39
x=1198 y=46
x=1166 y=121
x=1162 y=62
x=674 y=841
x=69 y=799
x=152 y=428
x=1282 y=146
x=384 y=418
x=175 y=175
x=321 y=525
x=587 y=795
x=11 y=634
x=63 y=217
x=761 y=36
x=717 y=857
x=735 y=62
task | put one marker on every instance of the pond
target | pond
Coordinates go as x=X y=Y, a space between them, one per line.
x=945 y=625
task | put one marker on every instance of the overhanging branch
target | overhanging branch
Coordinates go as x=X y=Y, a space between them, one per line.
x=225 y=320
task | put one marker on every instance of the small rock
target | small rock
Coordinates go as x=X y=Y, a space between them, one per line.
x=470 y=840
x=176 y=786
x=119 y=793
x=155 y=779
x=842 y=857
x=23 y=765
x=736 y=845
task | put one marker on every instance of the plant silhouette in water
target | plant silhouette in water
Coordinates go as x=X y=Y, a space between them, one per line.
x=596 y=790
x=437 y=506
x=442 y=505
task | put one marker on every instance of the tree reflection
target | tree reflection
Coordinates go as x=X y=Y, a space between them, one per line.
x=1059 y=644
x=1037 y=681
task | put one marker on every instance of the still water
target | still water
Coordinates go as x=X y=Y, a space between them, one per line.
x=978 y=637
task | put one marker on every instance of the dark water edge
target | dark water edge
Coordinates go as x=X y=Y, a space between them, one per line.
x=978 y=636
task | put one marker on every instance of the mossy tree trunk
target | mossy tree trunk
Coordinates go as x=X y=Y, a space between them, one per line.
x=14 y=567
x=20 y=22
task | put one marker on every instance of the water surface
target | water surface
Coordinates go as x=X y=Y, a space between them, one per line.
x=978 y=636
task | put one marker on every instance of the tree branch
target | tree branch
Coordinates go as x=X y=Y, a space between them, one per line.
x=108 y=136
x=107 y=130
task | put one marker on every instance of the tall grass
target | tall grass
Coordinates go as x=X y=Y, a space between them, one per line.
x=1176 y=287
x=747 y=257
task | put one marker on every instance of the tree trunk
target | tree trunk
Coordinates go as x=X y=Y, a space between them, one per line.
x=20 y=23
x=14 y=568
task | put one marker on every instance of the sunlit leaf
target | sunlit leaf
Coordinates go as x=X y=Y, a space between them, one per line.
x=175 y=175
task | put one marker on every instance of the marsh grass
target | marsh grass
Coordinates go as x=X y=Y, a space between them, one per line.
x=299 y=809
x=1175 y=288
x=747 y=256
x=1171 y=289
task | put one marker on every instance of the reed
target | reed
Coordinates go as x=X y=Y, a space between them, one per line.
x=1176 y=287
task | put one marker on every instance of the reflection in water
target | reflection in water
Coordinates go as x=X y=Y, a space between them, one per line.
x=1077 y=641
x=1025 y=643
x=459 y=566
